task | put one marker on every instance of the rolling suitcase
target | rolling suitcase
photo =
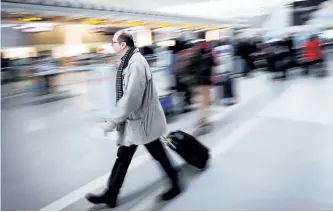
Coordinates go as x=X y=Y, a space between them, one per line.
x=189 y=148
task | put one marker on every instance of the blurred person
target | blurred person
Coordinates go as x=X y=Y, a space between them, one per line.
x=148 y=53
x=15 y=69
x=224 y=61
x=138 y=118
x=269 y=50
x=245 y=51
x=50 y=65
x=290 y=45
x=282 y=59
x=206 y=64
x=312 y=53
x=239 y=61
x=46 y=71
x=182 y=68
x=253 y=49
x=5 y=69
x=147 y=50
x=42 y=81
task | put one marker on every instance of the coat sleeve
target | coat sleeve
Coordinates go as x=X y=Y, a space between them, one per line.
x=133 y=93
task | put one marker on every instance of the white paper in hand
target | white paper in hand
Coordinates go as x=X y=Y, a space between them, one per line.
x=97 y=131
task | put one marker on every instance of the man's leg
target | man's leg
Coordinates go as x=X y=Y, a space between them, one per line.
x=48 y=83
x=203 y=106
x=188 y=96
x=116 y=179
x=246 y=67
x=284 y=72
x=324 y=70
x=158 y=152
x=306 y=68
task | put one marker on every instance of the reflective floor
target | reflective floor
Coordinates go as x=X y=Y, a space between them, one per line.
x=271 y=151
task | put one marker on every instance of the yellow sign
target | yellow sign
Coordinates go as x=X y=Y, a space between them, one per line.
x=186 y=26
x=164 y=25
x=95 y=21
x=136 y=23
x=31 y=19
x=199 y=27
x=214 y=28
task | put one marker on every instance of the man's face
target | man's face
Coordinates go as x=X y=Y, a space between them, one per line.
x=118 y=47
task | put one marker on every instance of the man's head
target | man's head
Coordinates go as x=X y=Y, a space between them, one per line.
x=121 y=42
x=313 y=37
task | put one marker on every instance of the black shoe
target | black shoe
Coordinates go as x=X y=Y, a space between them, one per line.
x=102 y=199
x=170 y=194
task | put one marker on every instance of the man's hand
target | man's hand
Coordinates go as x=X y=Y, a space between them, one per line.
x=108 y=127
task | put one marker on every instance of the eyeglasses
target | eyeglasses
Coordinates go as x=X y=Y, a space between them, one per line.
x=113 y=42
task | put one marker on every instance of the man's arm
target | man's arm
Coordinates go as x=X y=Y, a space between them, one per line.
x=133 y=94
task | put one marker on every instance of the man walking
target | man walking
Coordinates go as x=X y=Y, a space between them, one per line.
x=313 y=54
x=138 y=118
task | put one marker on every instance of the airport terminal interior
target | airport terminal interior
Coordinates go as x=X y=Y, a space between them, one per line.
x=270 y=138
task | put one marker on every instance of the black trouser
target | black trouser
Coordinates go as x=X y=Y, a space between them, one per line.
x=182 y=87
x=271 y=65
x=294 y=62
x=228 y=89
x=249 y=66
x=125 y=155
x=284 y=70
x=48 y=81
x=307 y=65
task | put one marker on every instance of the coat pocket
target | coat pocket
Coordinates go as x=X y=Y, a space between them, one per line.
x=136 y=130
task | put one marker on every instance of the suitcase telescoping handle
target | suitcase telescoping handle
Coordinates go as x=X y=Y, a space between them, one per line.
x=168 y=142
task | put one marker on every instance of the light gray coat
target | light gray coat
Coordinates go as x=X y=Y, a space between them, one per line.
x=139 y=107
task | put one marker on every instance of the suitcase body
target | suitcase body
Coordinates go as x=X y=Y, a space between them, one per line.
x=189 y=148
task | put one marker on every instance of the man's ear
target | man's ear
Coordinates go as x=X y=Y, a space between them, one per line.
x=123 y=44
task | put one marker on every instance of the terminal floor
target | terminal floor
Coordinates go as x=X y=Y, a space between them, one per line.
x=271 y=151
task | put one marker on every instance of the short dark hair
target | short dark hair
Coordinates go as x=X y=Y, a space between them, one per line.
x=127 y=38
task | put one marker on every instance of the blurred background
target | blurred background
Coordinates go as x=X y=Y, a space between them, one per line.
x=58 y=73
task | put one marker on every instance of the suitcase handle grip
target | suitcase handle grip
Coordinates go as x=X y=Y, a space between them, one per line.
x=167 y=142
